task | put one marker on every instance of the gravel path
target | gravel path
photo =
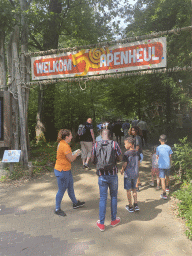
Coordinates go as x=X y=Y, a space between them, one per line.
x=28 y=225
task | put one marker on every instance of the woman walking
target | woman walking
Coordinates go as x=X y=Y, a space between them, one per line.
x=134 y=132
x=62 y=171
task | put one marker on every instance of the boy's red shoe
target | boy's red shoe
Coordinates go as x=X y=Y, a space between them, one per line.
x=115 y=222
x=100 y=226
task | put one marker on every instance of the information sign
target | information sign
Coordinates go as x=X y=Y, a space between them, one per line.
x=11 y=156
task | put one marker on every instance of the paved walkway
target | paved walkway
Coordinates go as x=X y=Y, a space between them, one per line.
x=28 y=225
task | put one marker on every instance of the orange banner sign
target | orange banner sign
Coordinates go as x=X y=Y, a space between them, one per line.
x=146 y=54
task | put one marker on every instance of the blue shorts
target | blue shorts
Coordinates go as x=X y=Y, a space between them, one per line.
x=130 y=184
x=164 y=172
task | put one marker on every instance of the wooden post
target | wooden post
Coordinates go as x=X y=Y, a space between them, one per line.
x=30 y=169
x=11 y=167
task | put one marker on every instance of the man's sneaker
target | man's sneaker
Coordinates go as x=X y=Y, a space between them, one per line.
x=86 y=166
x=129 y=209
x=115 y=222
x=60 y=213
x=139 y=185
x=164 y=196
x=152 y=184
x=78 y=204
x=137 y=189
x=158 y=188
x=100 y=226
x=167 y=189
x=136 y=208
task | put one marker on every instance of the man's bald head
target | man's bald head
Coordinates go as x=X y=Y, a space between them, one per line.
x=89 y=120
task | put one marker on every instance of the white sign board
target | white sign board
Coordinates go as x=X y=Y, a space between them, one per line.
x=11 y=156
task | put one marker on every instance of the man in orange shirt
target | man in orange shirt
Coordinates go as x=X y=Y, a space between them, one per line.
x=62 y=171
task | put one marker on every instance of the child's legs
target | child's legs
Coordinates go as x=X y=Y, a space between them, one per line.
x=158 y=181
x=135 y=196
x=162 y=177
x=167 y=173
x=128 y=187
x=152 y=175
x=167 y=181
x=133 y=184
x=129 y=197
x=137 y=183
x=156 y=172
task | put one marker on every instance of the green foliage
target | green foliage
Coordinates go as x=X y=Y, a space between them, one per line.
x=3 y=178
x=161 y=15
x=182 y=159
x=18 y=172
x=185 y=205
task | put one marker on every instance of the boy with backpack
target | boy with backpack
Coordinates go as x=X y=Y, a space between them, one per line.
x=131 y=172
x=105 y=154
x=164 y=153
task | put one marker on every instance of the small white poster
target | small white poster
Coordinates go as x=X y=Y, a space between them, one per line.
x=11 y=156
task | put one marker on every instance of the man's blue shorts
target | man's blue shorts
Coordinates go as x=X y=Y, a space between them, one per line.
x=164 y=172
x=130 y=184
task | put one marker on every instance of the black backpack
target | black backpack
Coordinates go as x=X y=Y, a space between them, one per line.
x=105 y=155
x=81 y=130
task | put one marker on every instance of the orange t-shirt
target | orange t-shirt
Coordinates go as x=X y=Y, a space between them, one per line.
x=62 y=163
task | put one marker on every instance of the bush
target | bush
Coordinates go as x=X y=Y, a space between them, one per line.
x=182 y=159
x=185 y=205
x=182 y=162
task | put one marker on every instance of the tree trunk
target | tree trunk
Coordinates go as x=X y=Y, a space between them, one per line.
x=12 y=88
x=45 y=115
x=15 y=54
x=23 y=69
x=2 y=61
x=39 y=129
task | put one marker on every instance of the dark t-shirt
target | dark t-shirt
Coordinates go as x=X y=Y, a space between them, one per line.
x=131 y=157
x=138 y=142
x=87 y=136
x=117 y=129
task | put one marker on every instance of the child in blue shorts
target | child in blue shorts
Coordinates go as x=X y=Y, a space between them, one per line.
x=164 y=153
x=131 y=172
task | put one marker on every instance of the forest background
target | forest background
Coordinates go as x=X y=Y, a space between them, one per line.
x=158 y=99
x=52 y=24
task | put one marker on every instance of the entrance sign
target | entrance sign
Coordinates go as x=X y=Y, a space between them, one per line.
x=11 y=156
x=146 y=54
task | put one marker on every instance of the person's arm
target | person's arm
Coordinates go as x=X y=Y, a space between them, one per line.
x=123 y=168
x=137 y=143
x=93 y=155
x=92 y=134
x=170 y=160
x=118 y=152
x=71 y=157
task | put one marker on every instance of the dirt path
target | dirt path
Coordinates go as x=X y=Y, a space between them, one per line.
x=28 y=225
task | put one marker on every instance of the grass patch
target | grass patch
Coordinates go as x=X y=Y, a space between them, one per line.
x=43 y=158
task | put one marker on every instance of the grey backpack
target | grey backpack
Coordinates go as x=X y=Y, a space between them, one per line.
x=105 y=155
